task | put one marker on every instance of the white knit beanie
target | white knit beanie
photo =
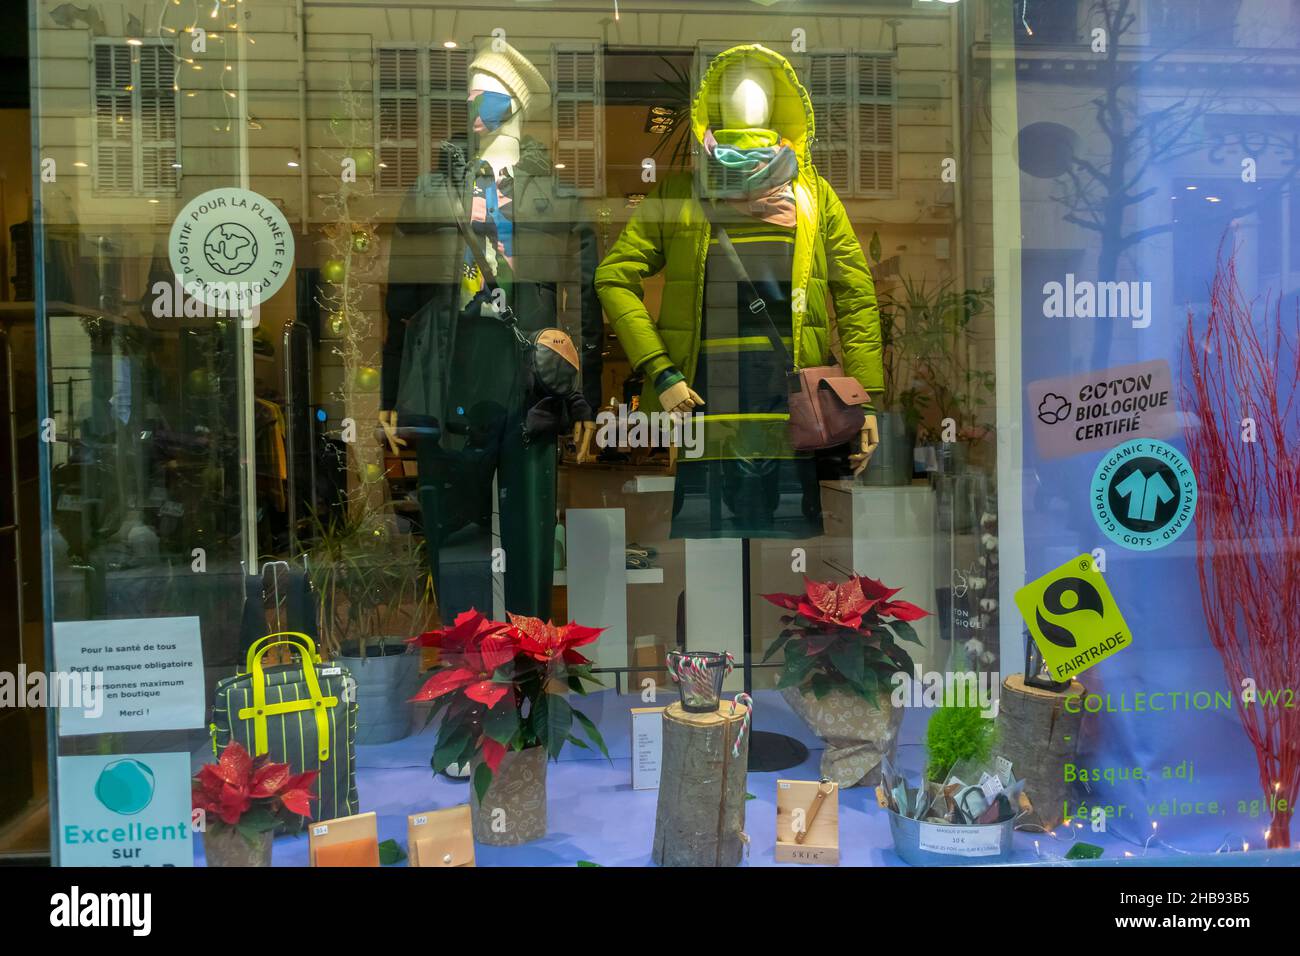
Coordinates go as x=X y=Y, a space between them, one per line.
x=525 y=83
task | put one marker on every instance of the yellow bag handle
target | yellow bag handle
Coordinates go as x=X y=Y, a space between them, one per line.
x=256 y=649
x=315 y=701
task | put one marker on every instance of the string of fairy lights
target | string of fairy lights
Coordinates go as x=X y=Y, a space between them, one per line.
x=198 y=20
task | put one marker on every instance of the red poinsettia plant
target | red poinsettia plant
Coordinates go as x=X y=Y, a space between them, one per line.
x=251 y=795
x=502 y=686
x=844 y=635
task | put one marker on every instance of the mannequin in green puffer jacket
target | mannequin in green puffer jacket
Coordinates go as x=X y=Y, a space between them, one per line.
x=767 y=109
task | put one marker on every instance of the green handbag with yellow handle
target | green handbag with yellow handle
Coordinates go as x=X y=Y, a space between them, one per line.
x=303 y=713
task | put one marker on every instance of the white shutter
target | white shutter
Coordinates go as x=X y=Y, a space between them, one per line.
x=877 y=118
x=114 y=119
x=157 y=99
x=828 y=87
x=577 y=119
x=399 y=117
x=448 y=108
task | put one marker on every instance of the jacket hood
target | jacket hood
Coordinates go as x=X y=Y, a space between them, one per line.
x=792 y=113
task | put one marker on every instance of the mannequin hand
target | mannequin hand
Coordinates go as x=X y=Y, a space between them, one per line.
x=584 y=434
x=868 y=440
x=679 y=398
x=388 y=422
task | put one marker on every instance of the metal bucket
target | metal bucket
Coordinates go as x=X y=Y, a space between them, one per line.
x=968 y=845
x=699 y=674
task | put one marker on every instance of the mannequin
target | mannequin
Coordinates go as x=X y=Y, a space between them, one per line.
x=747 y=98
x=487 y=227
x=500 y=149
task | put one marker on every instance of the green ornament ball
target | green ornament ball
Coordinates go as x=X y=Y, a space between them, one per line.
x=367 y=378
x=365 y=162
x=333 y=270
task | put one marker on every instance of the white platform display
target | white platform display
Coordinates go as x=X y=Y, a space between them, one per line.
x=597 y=578
x=887 y=534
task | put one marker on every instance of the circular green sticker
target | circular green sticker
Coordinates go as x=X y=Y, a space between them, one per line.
x=1143 y=494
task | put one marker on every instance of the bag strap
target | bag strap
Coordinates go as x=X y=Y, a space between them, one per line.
x=305 y=645
x=757 y=304
x=316 y=701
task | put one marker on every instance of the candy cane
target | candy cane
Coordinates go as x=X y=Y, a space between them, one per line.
x=748 y=703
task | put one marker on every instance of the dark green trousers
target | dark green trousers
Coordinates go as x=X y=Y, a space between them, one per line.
x=481 y=437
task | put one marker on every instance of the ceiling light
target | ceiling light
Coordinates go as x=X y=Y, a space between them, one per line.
x=1191 y=188
x=80 y=165
x=450 y=44
x=1213 y=199
x=135 y=42
x=292 y=163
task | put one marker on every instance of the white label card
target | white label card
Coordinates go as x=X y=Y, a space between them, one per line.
x=961 y=841
x=1004 y=770
x=647 y=749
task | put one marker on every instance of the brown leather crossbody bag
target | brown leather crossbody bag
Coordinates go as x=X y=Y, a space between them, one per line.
x=826 y=405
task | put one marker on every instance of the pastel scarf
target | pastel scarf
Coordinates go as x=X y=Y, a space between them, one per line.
x=760 y=168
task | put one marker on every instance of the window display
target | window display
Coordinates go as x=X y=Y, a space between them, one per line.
x=671 y=434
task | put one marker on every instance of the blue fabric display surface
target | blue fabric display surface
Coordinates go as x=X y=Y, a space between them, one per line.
x=594 y=814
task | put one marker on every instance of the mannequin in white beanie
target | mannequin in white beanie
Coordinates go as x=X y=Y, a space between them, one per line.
x=450 y=374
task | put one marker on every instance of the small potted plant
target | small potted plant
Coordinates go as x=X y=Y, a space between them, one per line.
x=501 y=690
x=841 y=652
x=956 y=734
x=374 y=589
x=242 y=801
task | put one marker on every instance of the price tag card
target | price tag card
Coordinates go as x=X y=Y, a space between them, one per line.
x=961 y=841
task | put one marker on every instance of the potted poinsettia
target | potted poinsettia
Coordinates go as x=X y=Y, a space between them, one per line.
x=241 y=802
x=501 y=689
x=841 y=644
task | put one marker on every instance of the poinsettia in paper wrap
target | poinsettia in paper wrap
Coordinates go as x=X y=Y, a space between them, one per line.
x=841 y=645
x=243 y=799
x=502 y=687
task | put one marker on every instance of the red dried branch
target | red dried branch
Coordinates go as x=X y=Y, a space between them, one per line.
x=1248 y=517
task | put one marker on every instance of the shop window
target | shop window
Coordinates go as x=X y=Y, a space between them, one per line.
x=854 y=98
x=135 y=118
x=421 y=103
x=576 y=84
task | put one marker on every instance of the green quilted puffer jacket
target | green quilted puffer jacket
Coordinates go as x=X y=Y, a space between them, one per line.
x=670 y=233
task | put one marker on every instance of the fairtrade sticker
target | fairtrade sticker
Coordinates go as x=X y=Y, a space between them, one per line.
x=1143 y=494
x=1073 y=618
x=1092 y=410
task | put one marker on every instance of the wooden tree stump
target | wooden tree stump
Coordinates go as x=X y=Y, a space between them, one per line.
x=1040 y=737
x=701 y=789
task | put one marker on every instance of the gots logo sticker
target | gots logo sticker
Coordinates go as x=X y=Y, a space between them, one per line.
x=1073 y=618
x=1143 y=494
